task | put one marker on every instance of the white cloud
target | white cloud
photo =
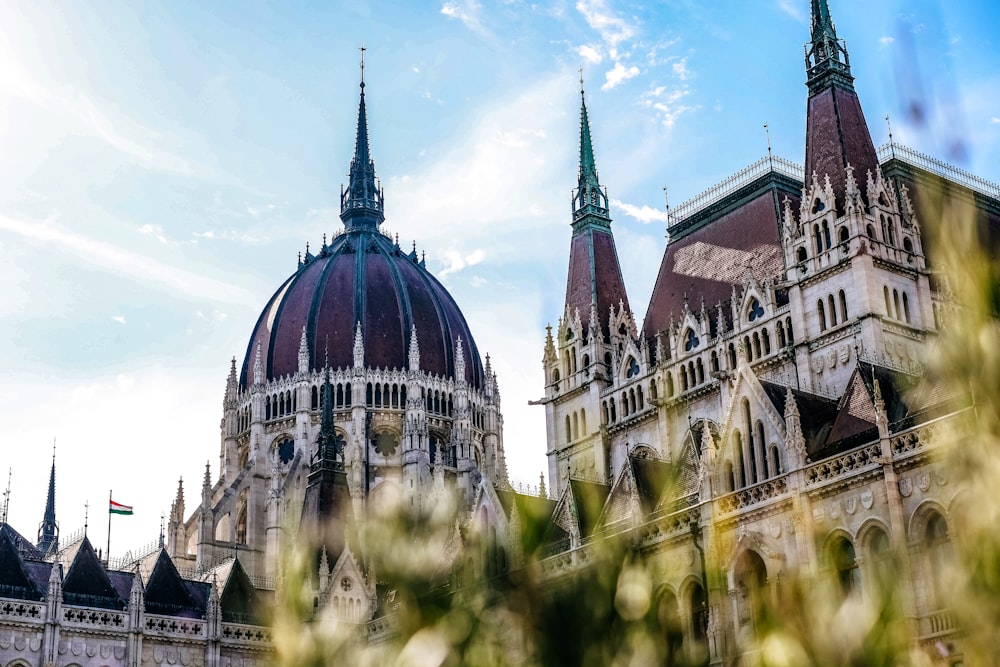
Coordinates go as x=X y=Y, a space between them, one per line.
x=681 y=70
x=120 y=319
x=121 y=261
x=613 y=29
x=618 y=74
x=644 y=214
x=995 y=119
x=667 y=103
x=155 y=231
x=792 y=8
x=590 y=53
x=457 y=261
x=469 y=12
x=887 y=40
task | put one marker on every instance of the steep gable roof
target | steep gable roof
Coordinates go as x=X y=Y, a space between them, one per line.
x=817 y=414
x=14 y=579
x=167 y=592
x=87 y=582
x=239 y=599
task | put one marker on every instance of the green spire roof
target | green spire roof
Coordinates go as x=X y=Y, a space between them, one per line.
x=827 y=61
x=590 y=202
x=361 y=205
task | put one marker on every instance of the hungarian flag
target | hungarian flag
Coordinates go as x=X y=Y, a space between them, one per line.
x=118 y=508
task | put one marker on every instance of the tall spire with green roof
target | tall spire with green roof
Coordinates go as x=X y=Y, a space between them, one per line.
x=361 y=204
x=827 y=60
x=48 y=531
x=590 y=202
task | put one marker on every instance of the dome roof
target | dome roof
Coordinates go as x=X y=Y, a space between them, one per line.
x=361 y=278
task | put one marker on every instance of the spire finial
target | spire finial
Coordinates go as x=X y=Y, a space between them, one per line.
x=581 y=81
x=362 y=49
x=6 y=496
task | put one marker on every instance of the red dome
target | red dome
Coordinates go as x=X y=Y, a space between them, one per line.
x=362 y=276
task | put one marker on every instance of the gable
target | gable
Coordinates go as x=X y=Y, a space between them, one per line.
x=239 y=599
x=87 y=583
x=166 y=592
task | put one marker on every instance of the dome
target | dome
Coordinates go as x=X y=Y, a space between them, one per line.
x=361 y=278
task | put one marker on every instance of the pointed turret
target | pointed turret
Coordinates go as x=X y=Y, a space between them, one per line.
x=48 y=531
x=836 y=132
x=328 y=448
x=595 y=277
x=361 y=204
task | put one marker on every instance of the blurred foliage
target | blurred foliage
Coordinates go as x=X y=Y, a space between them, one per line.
x=449 y=603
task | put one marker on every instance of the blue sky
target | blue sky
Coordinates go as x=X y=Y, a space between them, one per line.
x=161 y=165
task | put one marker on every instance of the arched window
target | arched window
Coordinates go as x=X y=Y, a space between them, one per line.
x=669 y=616
x=653 y=393
x=766 y=337
x=939 y=559
x=750 y=578
x=775 y=460
x=684 y=378
x=756 y=345
x=843 y=306
x=781 y=334
x=906 y=308
x=870 y=231
x=741 y=473
x=845 y=566
x=907 y=244
x=670 y=385
x=788 y=330
x=844 y=235
x=606 y=415
x=614 y=417
x=730 y=477
x=895 y=303
x=821 y=311
x=888 y=303
x=576 y=426
x=568 y=434
x=732 y=356
x=698 y=607
x=826 y=235
x=880 y=560
x=642 y=403
x=713 y=362
x=583 y=421
x=759 y=438
x=700 y=367
x=748 y=348
x=802 y=255
x=817 y=239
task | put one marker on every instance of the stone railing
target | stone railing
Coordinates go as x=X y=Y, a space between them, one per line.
x=17 y=610
x=844 y=465
x=246 y=635
x=379 y=629
x=753 y=495
x=911 y=441
x=99 y=618
x=175 y=627
x=937 y=623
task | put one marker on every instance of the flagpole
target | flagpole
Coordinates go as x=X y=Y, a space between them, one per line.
x=107 y=555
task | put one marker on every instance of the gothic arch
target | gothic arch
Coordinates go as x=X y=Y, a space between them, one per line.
x=921 y=516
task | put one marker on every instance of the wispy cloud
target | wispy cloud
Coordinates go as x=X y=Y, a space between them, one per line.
x=118 y=260
x=612 y=29
x=793 y=8
x=668 y=103
x=458 y=261
x=120 y=319
x=644 y=214
x=155 y=231
x=469 y=12
x=887 y=40
x=618 y=74
x=590 y=53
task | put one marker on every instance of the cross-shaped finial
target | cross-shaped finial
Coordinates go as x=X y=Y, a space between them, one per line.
x=767 y=131
x=581 y=80
x=362 y=49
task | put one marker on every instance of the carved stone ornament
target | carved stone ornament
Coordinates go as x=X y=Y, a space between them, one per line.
x=941 y=478
x=851 y=505
x=818 y=364
x=831 y=358
x=845 y=354
x=867 y=499
x=835 y=510
x=924 y=481
x=774 y=528
x=905 y=487
x=818 y=515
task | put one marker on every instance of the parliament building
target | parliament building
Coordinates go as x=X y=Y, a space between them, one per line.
x=765 y=417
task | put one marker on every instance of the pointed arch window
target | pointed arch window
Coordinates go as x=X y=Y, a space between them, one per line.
x=632 y=367
x=756 y=311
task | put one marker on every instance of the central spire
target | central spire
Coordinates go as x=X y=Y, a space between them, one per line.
x=48 y=532
x=590 y=202
x=361 y=204
x=827 y=61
